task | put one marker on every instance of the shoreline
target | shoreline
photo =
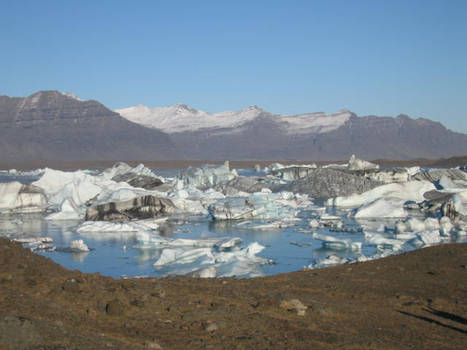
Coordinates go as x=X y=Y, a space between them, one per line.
x=411 y=300
x=182 y=164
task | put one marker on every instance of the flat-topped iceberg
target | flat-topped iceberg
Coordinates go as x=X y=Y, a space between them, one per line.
x=335 y=243
x=409 y=191
x=19 y=198
x=213 y=262
x=207 y=175
x=262 y=205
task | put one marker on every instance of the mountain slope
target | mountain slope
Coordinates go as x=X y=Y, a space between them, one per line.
x=253 y=133
x=50 y=125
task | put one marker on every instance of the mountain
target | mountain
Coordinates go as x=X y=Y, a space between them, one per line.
x=253 y=133
x=54 y=126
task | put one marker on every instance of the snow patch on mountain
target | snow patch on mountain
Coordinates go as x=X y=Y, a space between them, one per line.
x=71 y=95
x=315 y=123
x=182 y=118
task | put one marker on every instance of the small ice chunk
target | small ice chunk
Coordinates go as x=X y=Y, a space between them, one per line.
x=330 y=260
x=336 y=243
x=416 y=225
x=383 y=242
x=314 y=223
x=429 y=237
x=446 y=225
x=79 y=246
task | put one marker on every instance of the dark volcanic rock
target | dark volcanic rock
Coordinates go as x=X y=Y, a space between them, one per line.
x=325 y=183
x=49 y=125
x=137 y=208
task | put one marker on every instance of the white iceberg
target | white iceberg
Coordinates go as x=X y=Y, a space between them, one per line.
x=409 y=191
x=79 y=246
x=382 y=208
x=59 y=185
x=335 y=243
x=207 y=175
x=106 y=226
x=68 y=211
x=383 y=242
x=212 y=262
x=359 y=164
x=262 y=205
x=330 y=260
x=19 y=198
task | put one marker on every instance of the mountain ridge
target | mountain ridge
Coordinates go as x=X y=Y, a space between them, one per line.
x=57 y=126
x=49 y=125
x=319 y=136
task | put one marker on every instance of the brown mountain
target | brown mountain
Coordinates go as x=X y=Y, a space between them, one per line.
x=256 y=134
x=52 y=126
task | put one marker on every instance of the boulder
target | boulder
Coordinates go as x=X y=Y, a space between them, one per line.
x=137 y=208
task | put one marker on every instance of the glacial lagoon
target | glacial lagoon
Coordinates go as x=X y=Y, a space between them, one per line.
x=317 y=235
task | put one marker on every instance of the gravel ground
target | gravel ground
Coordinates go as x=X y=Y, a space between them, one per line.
x=416 y=300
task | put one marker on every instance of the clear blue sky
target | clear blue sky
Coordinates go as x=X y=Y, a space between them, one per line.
x=382 y=57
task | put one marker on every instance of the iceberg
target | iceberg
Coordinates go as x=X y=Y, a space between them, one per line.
x=68 y=211
x=137 y=208
x=262 y=205
x=382 y=208
x=59 y=185
x=335 y=243
x=122 y=169
x=19 y=198
x=409 y=191
x=383 y=242
x=323 y=183
x=330 y=260
x=359 y=164
x=293 y=172
x=36 y=243
x=213 y=262
x=78 y=246
x=207 y=175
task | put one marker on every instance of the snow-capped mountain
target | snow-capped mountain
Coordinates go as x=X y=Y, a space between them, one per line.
x=50 y=125
x=182 y=118
x=253 y=133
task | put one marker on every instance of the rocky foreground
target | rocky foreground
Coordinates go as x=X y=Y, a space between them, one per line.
x=415 y=300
